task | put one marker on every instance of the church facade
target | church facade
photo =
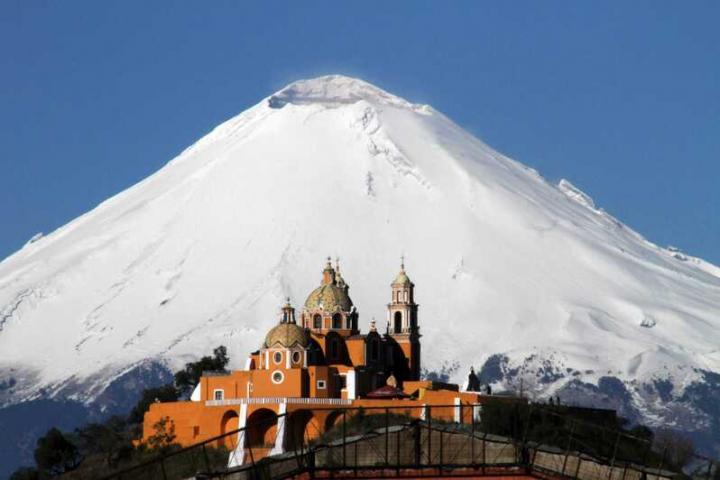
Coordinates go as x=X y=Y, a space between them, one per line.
x=311 y=366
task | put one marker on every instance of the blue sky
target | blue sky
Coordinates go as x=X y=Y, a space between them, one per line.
x=622 y=98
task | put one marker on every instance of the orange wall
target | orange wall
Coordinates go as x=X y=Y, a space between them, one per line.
x=195 y=422
x=356 y=351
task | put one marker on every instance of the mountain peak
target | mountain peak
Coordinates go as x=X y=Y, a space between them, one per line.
x=514 y=273
x=334 y=90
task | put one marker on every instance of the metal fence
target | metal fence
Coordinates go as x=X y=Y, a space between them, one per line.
x=444 y=441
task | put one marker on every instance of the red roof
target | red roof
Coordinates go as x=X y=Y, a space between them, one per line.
x=387 y=391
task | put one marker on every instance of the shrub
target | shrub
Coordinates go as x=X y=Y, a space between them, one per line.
x=55 y=454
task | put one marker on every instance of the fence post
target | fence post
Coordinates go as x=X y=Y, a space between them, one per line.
x=305 y=437
x=162 y=467
x=569 y=446
x=472 y=435
x=429 y=427
x=344 y=434
x=524 y=455
x=527 y=423
x=577 y=469
x=662 y=460
x=441 y=453
x=311 y=462
x=484 y=452
x=249 y=444
x=387 y=436
x=417 y=437
x=397 y=452
x=710 y=465
x=625 y=469
x=355 y=444
x=612 y=460
x=207 y=460
x=295 y=439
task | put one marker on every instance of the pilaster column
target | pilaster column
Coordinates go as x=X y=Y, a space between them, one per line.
x=280 y=437
x=237 y=456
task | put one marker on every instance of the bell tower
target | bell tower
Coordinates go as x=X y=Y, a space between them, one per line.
x=402 y=320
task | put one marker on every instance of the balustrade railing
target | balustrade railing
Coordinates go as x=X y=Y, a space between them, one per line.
x=278 y=401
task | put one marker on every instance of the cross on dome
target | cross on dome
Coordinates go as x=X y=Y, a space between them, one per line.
x=402 y=278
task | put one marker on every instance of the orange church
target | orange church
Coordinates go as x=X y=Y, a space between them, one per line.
x=311 y=368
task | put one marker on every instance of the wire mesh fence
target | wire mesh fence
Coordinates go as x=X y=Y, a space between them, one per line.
x=441 y=440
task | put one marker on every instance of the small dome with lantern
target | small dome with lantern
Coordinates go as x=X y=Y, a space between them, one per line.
x=402 y=278
x=287 y=333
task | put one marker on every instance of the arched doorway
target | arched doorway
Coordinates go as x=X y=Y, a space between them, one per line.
x=333 y=419
x=301 y=428
x=228 y=423
x=261 y=429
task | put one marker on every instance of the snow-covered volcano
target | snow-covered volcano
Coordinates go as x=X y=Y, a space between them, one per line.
x=527 y=278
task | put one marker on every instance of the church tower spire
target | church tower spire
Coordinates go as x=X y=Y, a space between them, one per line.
x=288 y=312
x=403 y=321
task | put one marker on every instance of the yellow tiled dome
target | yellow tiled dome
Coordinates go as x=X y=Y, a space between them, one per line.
x=330 y=297
x=286 y=335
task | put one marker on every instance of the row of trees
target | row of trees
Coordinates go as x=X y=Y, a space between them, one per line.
x=110 y=444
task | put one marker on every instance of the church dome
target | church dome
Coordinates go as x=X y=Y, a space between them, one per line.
x=286 y=335
x=402 y=279
x=332 y=294
x=330 y=297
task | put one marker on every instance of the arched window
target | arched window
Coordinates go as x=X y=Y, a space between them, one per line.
x=398 y=322
x=317 y=321
x=349 y=323
x=337 y=321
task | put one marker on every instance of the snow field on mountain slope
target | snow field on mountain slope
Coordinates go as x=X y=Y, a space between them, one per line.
x=204 y=251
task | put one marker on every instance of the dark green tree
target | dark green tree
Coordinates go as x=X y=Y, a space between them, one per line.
x=166 y=393
x=109 y=440
x=186 y=379
x=55 y=454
